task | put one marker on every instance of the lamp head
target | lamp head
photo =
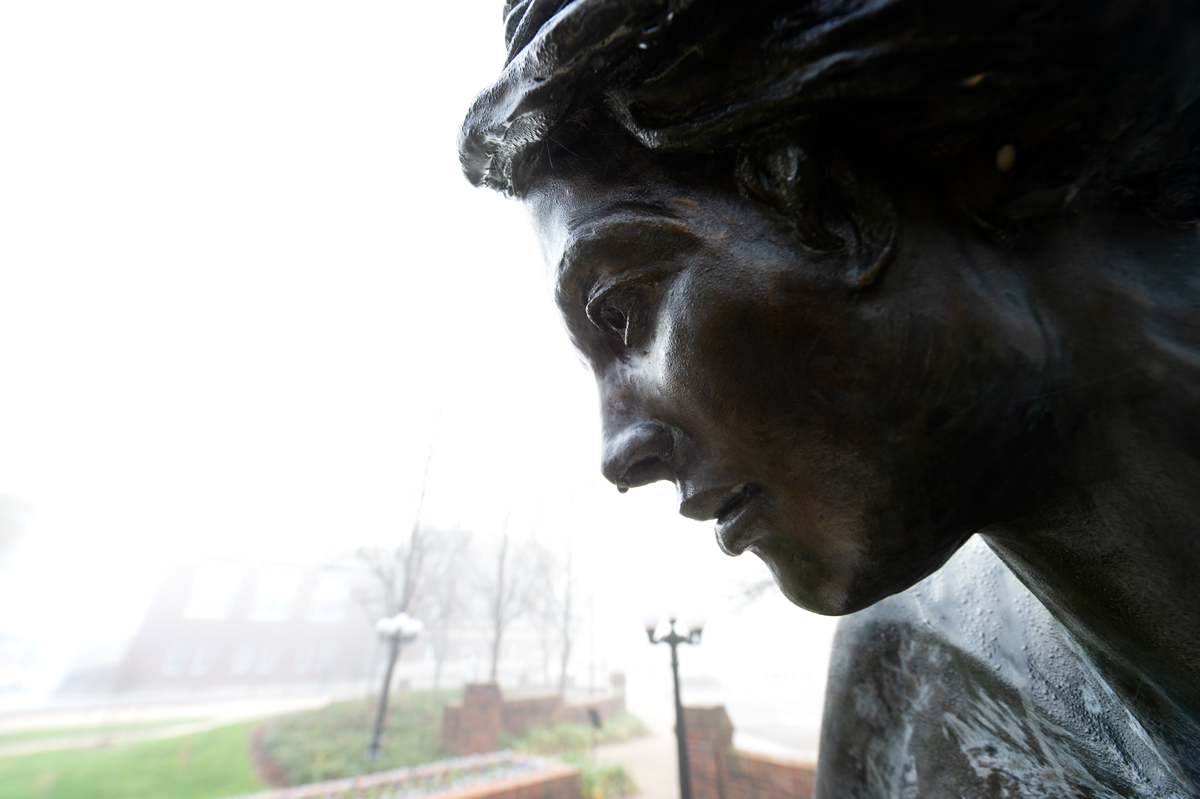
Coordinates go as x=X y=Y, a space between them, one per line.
x=401 y=624
x=407 y=626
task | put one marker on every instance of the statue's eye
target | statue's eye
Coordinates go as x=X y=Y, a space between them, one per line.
x=615 y=320
x=621 y=312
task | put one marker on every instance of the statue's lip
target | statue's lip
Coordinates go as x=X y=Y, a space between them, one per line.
x=722 y=503
x=736 y=529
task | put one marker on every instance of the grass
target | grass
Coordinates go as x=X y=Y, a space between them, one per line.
x=206 y=765
x=23 y=736
x=315 y=745
x=331 y=742
x=572 y=743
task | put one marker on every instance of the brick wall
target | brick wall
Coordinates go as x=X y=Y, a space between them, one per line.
x=718 y=771
x=475 y=724
x=709 y=738
x=519 y=715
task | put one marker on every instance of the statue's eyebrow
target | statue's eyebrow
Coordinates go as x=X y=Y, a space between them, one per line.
x=661 y=234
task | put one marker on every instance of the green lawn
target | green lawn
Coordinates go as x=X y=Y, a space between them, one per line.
x=309 y=746
x=206 y=765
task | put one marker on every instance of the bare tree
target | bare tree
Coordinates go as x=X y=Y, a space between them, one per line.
x=397 y=572
x=395 y=575
x=569 y=622
x=542 y=602
x=551 y=605
x=504 y=596
x=444 y=599
x=395 y=589
x=749 y=591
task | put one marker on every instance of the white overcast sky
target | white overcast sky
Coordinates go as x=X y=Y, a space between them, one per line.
x=244 y=289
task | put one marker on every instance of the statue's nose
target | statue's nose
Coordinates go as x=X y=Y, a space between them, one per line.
x=637 y=454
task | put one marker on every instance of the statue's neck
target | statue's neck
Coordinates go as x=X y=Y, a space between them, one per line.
x=1118 y=567
x=1107 y=533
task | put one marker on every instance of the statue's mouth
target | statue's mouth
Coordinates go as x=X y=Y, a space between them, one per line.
x=739 y=497
x=736 y=517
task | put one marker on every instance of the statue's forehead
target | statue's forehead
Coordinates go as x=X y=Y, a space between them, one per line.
x=634 y=234
x=582 y=206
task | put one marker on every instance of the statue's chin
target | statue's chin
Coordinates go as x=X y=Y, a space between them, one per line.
x=839 y=588
x=806 y=588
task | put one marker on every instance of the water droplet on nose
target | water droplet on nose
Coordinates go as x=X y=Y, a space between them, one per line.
x=622 y=487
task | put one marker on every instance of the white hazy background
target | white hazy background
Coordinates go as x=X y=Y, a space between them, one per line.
x=244 y=291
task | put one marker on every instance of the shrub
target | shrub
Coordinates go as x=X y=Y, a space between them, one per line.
x=572 y=743
x=331 y=742
x=606 y=780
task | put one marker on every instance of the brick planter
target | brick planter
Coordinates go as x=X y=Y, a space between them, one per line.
x=499 y=775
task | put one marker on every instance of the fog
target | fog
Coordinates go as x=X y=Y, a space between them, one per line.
x=246 y=298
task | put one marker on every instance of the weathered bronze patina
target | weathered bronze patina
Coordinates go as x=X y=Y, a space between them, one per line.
x=906 y=296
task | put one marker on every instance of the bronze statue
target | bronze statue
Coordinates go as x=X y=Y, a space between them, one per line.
x=905 y=294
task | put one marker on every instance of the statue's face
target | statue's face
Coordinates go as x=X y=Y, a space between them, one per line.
x=835 y=436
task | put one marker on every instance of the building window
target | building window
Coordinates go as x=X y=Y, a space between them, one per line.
x=203 y=660
x=214 y=590
x=175 y=661
x=303 y=661
x=268 y=659
x=275 y=594
x=329 y=600
x=243 y=659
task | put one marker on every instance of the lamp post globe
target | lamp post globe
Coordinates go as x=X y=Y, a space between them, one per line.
x=650 y=622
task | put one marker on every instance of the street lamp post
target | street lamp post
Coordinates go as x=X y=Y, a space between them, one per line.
x=398 y=629
x=674 y=639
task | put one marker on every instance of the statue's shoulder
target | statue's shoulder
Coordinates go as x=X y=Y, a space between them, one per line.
x=965 y=686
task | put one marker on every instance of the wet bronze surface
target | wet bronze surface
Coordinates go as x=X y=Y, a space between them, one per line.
x=869 y=281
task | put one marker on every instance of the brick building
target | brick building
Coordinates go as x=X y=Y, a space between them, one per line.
x=231 y=627
x=234 y=628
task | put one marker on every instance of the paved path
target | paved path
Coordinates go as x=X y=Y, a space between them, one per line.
x=651 y=760
x=153 y=722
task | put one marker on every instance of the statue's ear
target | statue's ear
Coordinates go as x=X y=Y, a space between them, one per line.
x=829 y=205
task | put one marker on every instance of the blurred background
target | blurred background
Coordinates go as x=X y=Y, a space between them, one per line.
x=270 y=369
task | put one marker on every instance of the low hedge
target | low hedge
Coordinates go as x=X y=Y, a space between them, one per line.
x=572 y=743
x=331 y=742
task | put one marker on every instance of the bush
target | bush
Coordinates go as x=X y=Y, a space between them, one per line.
x=606 y=780
x=572 y=743
x=557 y=741
x=575 y=737
x=622 y=727
x=331 y=742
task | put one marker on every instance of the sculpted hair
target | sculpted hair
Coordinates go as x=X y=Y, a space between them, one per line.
x=1003 y=110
